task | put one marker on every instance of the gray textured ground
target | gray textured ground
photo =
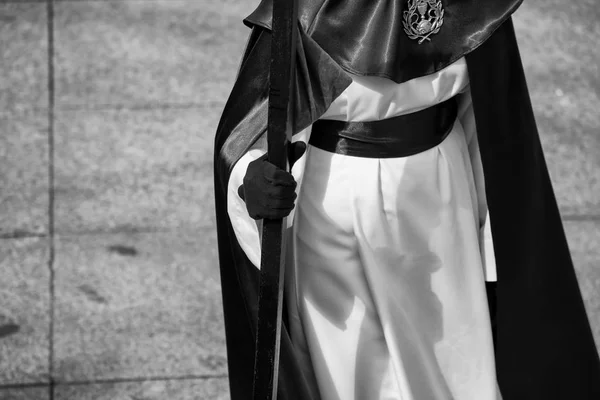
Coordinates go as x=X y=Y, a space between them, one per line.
x=114 y=293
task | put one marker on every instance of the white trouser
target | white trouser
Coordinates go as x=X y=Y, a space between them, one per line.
x=389 y=277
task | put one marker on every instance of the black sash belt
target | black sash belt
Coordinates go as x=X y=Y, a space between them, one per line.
x=400 y=136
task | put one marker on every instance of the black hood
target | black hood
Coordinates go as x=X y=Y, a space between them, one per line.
x=368 y=37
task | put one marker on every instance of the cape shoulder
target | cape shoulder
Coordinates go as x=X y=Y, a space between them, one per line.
x=367 y=37
x=318 y=81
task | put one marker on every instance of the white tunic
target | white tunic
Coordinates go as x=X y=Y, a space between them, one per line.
x=387 y=257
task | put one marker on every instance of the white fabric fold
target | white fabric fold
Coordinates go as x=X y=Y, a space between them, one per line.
x=389 y=279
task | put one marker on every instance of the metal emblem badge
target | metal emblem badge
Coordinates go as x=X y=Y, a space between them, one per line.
x=423 y=19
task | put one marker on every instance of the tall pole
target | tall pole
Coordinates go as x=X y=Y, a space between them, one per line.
x=279 y=133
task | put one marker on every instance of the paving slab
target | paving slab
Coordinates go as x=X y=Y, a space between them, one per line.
x=584 y=241
x=197 y=389
x=23 y=66
x=134 y=170
x=562 y=73
x=138 y=305
x=24 y=311
x=138 y=52
x=25 y=394
x=23 y=174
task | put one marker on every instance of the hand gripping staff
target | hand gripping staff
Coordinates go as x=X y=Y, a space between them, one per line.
x=279 y=133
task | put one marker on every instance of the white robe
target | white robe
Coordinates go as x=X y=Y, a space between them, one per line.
x=386 y=258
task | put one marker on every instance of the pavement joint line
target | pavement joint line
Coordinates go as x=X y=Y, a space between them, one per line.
x=142 y=379
x=107 y=381
x=68 y=234
x=140 y=107
x=113 y=232
x=22 y=1
x=21 y=235
x=77 y=1
x=58 y=233
x=51 y=194
x=581 y=218
x=115 y=1
x=27 y=385
x=116 y=107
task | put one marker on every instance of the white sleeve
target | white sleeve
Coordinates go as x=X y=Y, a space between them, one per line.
x=486 y=244
x=247 y=230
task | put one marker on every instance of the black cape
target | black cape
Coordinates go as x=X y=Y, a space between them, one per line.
x=544 y=345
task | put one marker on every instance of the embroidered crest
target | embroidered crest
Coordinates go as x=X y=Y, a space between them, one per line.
x=423 y=19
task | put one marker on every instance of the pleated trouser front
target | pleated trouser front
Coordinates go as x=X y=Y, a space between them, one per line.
x=389 y=279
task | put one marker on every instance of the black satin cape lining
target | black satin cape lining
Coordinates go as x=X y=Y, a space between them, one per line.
x=319 y=81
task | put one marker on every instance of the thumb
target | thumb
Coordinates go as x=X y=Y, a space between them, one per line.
x=295 y=151
x=241 y=192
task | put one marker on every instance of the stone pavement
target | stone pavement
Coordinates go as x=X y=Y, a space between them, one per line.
x=110 y=285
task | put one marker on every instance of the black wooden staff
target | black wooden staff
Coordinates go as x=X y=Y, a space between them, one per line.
x=279 y=132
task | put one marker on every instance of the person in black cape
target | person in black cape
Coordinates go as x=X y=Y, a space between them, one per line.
x=544 y=348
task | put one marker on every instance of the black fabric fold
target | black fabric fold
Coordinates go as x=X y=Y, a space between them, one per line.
x=319 y=81
x=545 y=349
